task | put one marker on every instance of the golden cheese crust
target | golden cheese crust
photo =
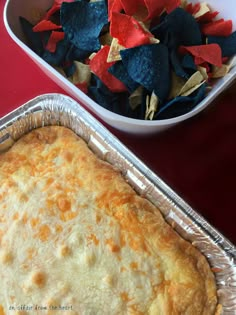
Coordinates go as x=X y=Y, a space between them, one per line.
x=75 y=237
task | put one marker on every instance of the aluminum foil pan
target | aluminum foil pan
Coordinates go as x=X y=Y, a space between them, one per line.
x=57 y=109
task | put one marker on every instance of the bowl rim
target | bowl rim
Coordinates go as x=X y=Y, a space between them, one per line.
x=103 y=112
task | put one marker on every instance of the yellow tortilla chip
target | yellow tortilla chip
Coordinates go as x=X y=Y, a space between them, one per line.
x=181 y=87
x=92 y=55
x=82 y=73
x=192 y=84
x=151 y=106
x=203 y=71
x=154 y=40
x=219 y=72
x=232 y=62
x=203 y=10
x=135 y=98
x=114 y=53
x=194 y=88
x=176 y=85
x=183 y=3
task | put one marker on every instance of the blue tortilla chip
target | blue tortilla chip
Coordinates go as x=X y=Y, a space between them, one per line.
x=182 y=26
x=137 y=113
x=69 y=69
x=75 y=53
x=83 y=21
x=65 y=53
x=120 y=72
x=187 y=63
x=38 y=40
x=184 y=67
x=115 y=102
x=181 y=105
x=100 y=93
x=148 y=65
x=177 y=66
x=227 y=44
x=104 y=97
x=58 y=57
x=34 y=39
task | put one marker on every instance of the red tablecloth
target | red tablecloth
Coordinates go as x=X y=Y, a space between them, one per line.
x=197 y=159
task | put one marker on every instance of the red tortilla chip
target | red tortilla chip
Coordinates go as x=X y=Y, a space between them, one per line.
x=130 y=7
x=54 y=38
x=198 y=60
x=114 y=6
x=210 y=53
x=218 y=28
x=59 y=2
x=171 y=5
x=55 y=7
x=133 y=7
x=128 y=31
x=155 y=7
x=52 y=10
x=193 y=9
x=46 y=25
x=207 y=17
x=99 y=67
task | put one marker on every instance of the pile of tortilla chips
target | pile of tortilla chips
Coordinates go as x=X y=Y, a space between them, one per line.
x=142 y=59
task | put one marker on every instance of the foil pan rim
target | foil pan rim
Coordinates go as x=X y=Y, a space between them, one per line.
x=59 y=109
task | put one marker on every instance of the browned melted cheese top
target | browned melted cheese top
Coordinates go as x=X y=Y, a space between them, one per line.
x=74 y=233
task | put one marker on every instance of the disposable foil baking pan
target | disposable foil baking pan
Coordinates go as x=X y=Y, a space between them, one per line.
x=57 y=109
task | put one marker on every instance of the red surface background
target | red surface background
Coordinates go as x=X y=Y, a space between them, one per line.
x=197 y=158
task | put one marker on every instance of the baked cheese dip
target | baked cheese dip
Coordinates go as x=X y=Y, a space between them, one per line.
x=76 y=239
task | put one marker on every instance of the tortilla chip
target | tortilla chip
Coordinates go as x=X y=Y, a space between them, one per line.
x=82 y=73
x=203 y=71
x=129 y=32
x=181 y=104
x=114 y=52
x=99 y=66
x=227 y=44
x=210 y=53
x=193 y=83
x=54 y=38
x=151 y=106
x=204 y=8
x=119 y=71
x=219 y=72
x=176 y=85
x=135 y=98
x=84 y=32
x=149 y=66
x=218 y=28
x=46 y=25
x=180 y=27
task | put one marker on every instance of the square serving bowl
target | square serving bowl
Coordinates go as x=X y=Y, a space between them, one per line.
x=31 y=10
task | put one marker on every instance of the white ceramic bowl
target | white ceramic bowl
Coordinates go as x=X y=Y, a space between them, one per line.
x=28 y=8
